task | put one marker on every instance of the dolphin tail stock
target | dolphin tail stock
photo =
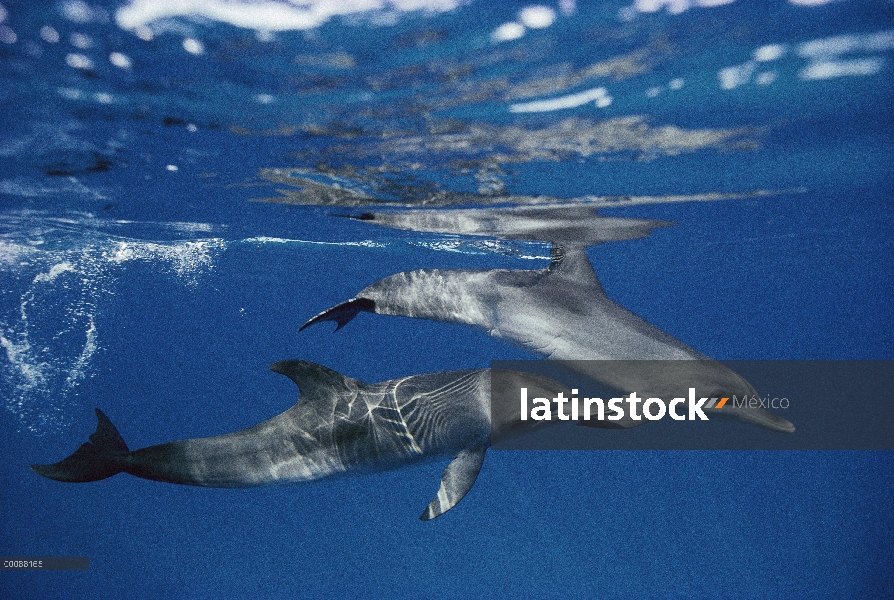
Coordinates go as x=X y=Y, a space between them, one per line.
x=103 y=456
x=342 y=313
x=458 y=479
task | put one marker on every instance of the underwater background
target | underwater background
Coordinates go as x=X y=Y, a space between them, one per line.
x=174 y=182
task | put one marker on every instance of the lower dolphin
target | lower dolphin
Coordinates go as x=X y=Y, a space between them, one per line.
x=339 y=425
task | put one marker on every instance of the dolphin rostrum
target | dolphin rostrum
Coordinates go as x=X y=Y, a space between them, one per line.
x=339 y=425
x=559 y=312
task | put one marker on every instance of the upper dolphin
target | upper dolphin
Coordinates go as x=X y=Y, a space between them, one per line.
x=338 y=425
x=559 y=312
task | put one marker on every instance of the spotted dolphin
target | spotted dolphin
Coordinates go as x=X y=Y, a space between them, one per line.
x=339 y=425
x=559 y=312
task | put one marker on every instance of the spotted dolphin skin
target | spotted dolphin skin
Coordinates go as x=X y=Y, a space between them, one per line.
x=339 y=425
x=561 y=312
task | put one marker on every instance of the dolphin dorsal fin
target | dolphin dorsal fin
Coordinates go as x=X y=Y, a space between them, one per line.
x=315 y=381
x=571 y=261
x=458 y=479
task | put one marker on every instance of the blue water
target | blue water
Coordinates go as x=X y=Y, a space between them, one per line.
x=141 y=275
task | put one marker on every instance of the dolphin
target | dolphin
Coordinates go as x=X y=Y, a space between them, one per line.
x=560 y=312
x=339 y=425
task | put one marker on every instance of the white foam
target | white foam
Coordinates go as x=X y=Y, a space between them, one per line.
x=841 y=68
x=829 y=47
x=31 y=372
x=55 y=317
x=562 y=102
x=508 y=32
x=189 y=227
x=78 y=61
x=54 y=272
x=28 y=187
x=77 y=12
x=80 y=368
x=270 y=240
x=62 y=271
x=13 y=255
x=193 y=46
x=877 y=42
x=81 y=41
x=732 y=77
x=769 y=52
x=120 y=60
x=7 y=35
x=187 y=259
x=144 y=33
x=49 y=35
x=676 y=7
x=835 y=46
x=765 y=78
x=267 y=15
x=70 y=93
x=278 y=240
x=459 y=245
x=537 y=16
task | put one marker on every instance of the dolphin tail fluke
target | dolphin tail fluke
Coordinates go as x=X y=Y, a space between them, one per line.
x=342 y=313
x=103 y=456
x=458 y=479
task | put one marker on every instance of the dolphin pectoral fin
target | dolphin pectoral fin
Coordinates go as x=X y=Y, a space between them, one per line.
x=103 y=456
x=458 y=479
x=342 y=313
